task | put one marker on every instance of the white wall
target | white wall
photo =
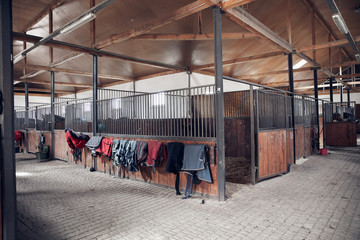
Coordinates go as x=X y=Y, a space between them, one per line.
x=20 y=100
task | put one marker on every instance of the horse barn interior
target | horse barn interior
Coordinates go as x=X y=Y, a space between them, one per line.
x=259 y=83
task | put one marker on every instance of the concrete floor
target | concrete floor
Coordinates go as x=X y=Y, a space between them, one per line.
x=318 y=199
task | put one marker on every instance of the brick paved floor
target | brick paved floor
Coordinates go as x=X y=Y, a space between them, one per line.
x=318 y=199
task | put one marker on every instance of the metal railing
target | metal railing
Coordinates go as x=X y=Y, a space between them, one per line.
x=187 y=113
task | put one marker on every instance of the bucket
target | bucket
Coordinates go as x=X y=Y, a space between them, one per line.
x=323 y=151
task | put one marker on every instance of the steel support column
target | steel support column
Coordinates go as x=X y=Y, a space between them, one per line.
x=317 y=106
x=220 y=134
x=27 y=116
x=252 y=135
x=341 y=94
x=95 y=98
x=7 y=152
x=52 y=111
x=348 y=97
x=331 y=96
x=291 y=86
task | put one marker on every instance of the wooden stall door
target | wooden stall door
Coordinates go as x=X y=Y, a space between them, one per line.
x=272 y=153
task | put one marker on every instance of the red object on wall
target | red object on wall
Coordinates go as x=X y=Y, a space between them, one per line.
x=17 y=136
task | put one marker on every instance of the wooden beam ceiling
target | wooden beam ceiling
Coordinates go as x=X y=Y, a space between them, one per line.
x=82 y=49
x=240 y=60
x=323 y=23
x=228 y=4
x=192 y=36
x=337 y=43
x=78 y=85
x=41 y=90
x=177 y=15
x=73 y=72
x=42 y=14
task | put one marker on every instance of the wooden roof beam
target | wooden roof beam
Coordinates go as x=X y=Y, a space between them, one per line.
x=42 y=14
x=41 y=90
x=73 y=72
x=56 y=83
x=323 y=23
x=228 y=4
x=92 y=51
x=193 y=36
x=337 y=43
x=240 y=60
x=177 y=15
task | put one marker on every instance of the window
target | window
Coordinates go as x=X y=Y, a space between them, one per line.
x=87 y=107
x=116 y=103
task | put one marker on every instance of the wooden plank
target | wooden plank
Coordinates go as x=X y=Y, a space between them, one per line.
x=56 y=83
x=330 y=44
x=177 y=15
x=273 y=73
x=194 y=36
x=299 y=141
x=41 y=90
x=228 y=4
x=73 y=72
x=272 y=153
x=42 y=14
x=92 y=27
x=92 y=51
x=308 y=141
x=341 y=134
x=288 y=20
x=240 y=60
x=290 y=146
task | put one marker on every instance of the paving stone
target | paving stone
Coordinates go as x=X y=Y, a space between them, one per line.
x=319 y=199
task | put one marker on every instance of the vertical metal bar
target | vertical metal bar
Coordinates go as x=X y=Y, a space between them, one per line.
x=291 y=86
x=348 y=97
x=94 y=101
x=317 y=106
x=27 y=115
x=324 y=120
x=304 y=123
x=52 y=99
x=220 y=135
x=257 y=134
x=331 y=96
x=95 y=95
x=341 y=94
x=252 y=134
x=7 y=155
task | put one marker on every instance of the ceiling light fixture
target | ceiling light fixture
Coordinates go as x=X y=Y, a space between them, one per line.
x=340 y=23
x=81 y=21
x=18 y=58
x=357 y=56
x=300 y=64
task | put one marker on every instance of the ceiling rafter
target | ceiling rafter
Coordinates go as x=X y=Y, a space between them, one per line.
x=74 y=72
x=240 y=60
x=228 y=4
x=82 y=49
x=56 y=83
x=177 y=15
x=41 y=90
x=42 y=14
x=194 y=36
x=337 y=43
x=324 y=24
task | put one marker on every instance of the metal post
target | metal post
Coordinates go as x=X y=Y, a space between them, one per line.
x=27 y=115
x=220 y=134
x=341 y=94
x=291 y=86
x=95 y=97
x=52 y=128
x=324 y=129
x=348 y=97
x=7 y=153
x=317 y=106
x=331 y=96
x=252 y=135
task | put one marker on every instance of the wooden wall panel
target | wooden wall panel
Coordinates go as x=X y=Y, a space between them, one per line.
x=145 y=174
x=34 y=140
x=321 y=132
x=272 y=153
x=61 y=147
x=299 y=139
x=308 y=141
x=341 y=134
x=290 y=146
